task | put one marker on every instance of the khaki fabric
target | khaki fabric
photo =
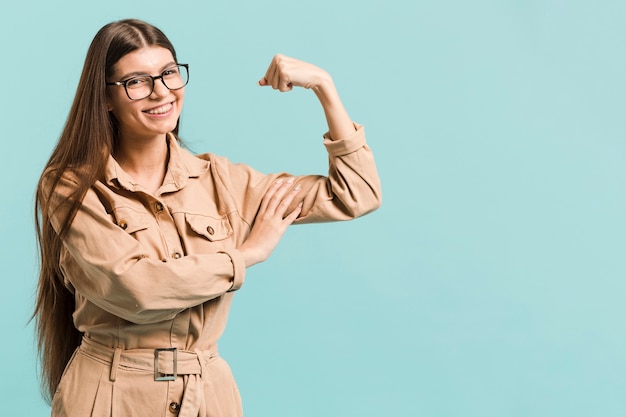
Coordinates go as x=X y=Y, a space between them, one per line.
x=159 y=271
x=123 y=385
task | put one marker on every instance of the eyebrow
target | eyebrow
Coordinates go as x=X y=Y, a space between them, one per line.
x=138 y=73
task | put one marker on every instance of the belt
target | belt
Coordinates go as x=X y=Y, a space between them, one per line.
x=166 y=363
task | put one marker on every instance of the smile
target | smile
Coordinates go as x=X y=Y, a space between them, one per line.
x=160 y=110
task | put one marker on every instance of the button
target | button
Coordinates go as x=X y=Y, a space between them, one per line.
x=177 y=255
x=123 y=224
x=174 y=407
x=210 y=230
x=158 y=207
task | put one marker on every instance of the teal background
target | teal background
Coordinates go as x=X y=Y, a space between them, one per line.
x=491 y=281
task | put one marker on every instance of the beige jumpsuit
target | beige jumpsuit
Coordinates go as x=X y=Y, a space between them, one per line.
x=153 y=277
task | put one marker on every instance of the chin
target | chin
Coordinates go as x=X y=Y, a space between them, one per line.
x=167 y=127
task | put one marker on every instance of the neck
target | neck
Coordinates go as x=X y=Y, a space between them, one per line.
x=144 y=160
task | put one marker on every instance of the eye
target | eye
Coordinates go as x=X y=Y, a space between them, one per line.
x=171 y=72
x=138 y=82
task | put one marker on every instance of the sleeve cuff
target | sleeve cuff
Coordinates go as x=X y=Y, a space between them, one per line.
x=239 y=268
x=344 y=146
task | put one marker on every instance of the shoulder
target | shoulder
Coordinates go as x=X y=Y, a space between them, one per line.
x=213 y=158
x=54 y=180
x=218 y=164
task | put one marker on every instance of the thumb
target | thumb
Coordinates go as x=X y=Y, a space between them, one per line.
x=262 y=82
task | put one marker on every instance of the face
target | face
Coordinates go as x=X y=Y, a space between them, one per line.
x=155 y=115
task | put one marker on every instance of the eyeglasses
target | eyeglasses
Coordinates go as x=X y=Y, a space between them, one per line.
x=142 y=86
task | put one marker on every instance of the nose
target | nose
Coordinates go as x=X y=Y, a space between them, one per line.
x=159 y=90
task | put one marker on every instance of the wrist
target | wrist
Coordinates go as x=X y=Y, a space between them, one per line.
x=250 y=256
x=325 y=89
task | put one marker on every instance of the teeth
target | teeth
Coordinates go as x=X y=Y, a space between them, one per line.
x=160 y=110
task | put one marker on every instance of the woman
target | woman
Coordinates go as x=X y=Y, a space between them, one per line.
x=143 y=244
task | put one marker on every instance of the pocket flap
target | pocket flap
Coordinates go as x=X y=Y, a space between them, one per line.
x=130 y=220
x=210 y=227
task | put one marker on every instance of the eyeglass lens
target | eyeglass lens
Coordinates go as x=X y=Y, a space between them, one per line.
x=141 y=87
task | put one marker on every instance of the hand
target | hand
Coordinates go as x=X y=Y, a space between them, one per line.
x=271 y=221
x=284 y=73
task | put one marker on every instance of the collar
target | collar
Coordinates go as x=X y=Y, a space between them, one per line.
x=182 y=166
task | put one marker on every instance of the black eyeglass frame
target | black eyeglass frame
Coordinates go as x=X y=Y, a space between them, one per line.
x=154 y=78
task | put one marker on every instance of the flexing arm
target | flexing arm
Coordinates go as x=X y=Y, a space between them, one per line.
x=284 y=73
x=352 y=187
x=347 y=193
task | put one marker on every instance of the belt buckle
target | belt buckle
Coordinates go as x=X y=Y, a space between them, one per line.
x=165 y=377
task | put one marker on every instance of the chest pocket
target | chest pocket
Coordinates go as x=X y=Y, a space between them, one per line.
x=130 y=220
x=211 y=228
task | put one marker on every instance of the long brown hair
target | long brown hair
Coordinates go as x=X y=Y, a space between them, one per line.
x=90 y=135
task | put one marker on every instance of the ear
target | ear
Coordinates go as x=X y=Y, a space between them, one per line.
x=109 y=104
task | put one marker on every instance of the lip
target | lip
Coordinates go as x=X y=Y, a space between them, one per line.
x=168 y=112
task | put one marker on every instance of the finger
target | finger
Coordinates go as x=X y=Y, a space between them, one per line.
x=269 y=194
x=287 y=201
x=294 y=214
x=275 y=80
x=284 y=85
x=283 y=70
x=265 y=81
x=275 y=201
x=272 y=74
x=273 y=195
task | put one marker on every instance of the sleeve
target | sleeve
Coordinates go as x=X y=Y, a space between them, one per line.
x=112 y=270
x=350 y=190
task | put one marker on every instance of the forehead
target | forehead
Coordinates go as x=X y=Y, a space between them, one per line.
x=148 y=60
